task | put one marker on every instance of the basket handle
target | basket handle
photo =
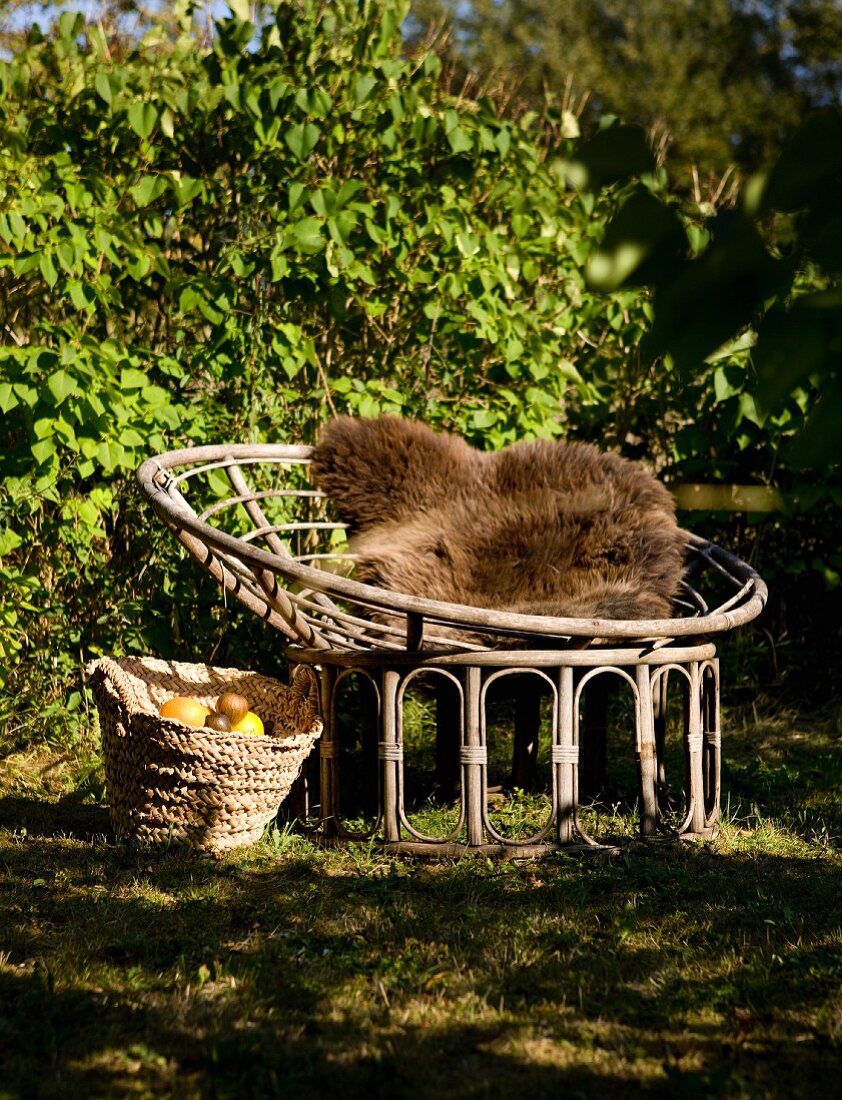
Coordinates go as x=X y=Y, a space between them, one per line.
x=108 y=674
x=303 y=681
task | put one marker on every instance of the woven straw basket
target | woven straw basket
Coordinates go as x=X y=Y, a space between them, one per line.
x=169 y=782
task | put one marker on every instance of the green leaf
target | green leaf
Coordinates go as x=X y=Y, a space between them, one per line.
x=209 y=312
x=48 y=269
x=168 y=123
x=186 y=189
x=728 y=381
x=147 y=189
x=484 y=418
x=364 y=85
x=468 y=244
x=314 y=101
x=43 y=451
x=347 y=191
x=9 y=540
x=18 y=228
x=323 y=202
x=296 y=196
x=459 y=140
x=103 y=87
x=80 y=295
x=70 y=25
x=643 y=243
x=342 y=226
x=302 y=139
x=8 y=400
x=307 y=236
x=61 y=385
x=110 y=455
x=189 y=299
x=279 y=264
x=131 y=379
x=142 y=118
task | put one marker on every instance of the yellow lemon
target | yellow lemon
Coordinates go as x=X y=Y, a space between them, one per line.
x=189 y=711
x=249 y=723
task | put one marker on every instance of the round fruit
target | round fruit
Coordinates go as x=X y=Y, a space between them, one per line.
x=189 y=711
x=219 y=722
x=233 y=705
x=249 y=723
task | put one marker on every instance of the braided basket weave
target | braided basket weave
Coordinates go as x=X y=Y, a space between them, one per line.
x=169 y=782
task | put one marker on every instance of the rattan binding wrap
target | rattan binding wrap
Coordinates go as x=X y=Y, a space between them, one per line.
x=168 y=782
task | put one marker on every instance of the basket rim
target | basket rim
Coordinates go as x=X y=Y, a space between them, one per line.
x=100 y=673
x=155 y=480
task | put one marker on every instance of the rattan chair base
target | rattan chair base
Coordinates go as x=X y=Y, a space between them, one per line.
x=565 y=675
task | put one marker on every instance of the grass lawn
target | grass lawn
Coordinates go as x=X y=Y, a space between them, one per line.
x=287 y=970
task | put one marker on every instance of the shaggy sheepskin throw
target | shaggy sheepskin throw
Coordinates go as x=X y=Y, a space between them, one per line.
x=542 y=528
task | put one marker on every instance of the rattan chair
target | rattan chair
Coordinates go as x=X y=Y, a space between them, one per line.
x=250 y=516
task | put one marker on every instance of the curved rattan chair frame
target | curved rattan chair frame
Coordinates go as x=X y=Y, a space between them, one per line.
x=311 y=607
x=285 y=570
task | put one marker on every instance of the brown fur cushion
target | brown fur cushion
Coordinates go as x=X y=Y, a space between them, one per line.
x=539 y=528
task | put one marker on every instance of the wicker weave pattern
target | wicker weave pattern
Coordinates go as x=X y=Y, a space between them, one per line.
x=169 y=782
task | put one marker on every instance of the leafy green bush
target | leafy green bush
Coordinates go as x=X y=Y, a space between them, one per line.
x=230 y=241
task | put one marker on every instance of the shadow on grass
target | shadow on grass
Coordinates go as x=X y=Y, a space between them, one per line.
x=69 y=816
x=129 y=970
x=673 y=971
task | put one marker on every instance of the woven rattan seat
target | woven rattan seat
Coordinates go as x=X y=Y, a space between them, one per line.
x=252 y=518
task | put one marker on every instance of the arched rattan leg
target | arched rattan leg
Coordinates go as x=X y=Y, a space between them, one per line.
x=473 y=755
x=659 y=708
x=645 y=738
x=712 y=742
x=328 y=780
x=391 y=753
x=564 y=756
x=693 y=748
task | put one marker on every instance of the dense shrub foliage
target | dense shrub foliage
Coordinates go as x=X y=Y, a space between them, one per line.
x=232 y=241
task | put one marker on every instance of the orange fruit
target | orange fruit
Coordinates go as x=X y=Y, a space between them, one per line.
x=249 y=723
x=189 y=711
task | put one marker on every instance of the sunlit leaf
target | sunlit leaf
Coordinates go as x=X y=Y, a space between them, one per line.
x=302 y=139
x=142 y=118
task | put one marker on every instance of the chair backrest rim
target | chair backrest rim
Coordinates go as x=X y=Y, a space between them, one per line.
x=151 y=477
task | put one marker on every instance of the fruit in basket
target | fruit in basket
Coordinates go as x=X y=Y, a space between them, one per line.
x=249 y=723
x=186 y=709
x=221 y=723
x=233 y=705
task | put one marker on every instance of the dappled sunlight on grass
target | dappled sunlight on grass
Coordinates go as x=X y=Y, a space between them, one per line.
x=290 y=968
